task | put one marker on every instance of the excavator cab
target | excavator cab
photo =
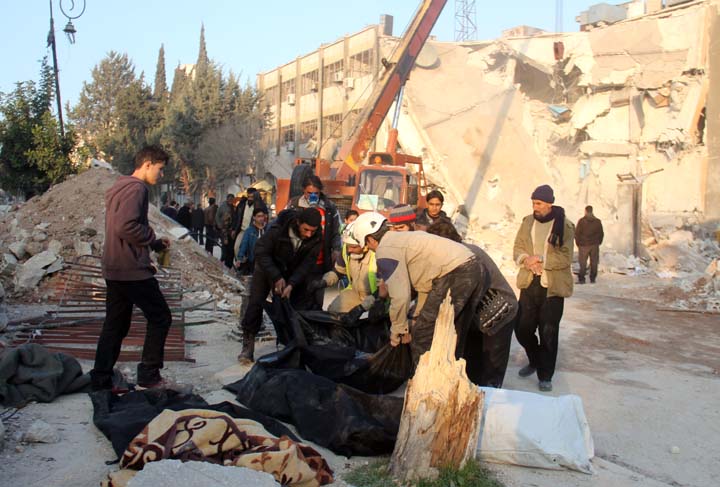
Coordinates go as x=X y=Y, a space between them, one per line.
x=380 y=188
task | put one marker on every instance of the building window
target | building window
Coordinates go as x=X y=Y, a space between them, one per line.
x=270 y=96
x=309 y=82
x=360 y=64
x=288 y=87
x=308 y=130
x=332 y=126
x=330 y=74
x=288 y=133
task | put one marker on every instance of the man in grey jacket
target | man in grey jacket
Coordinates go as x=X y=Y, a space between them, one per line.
x=129 y=273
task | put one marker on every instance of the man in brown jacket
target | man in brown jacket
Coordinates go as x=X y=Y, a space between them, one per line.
x=543 y=250
x=588 y=237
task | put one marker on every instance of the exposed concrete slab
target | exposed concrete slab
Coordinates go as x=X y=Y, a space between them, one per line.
x=596 y=147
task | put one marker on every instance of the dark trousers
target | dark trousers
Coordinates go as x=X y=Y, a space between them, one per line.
x=121 y=297
x=197 y=234
x=465 y=293
x=486 y=356
x=210 y=237
x=593 y=252
x=260 y=287
x=228 y=251
x=540 y=314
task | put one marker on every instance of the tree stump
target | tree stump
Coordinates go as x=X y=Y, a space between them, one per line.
x=440 y=421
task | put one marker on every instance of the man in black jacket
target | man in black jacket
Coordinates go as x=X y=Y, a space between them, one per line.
x=313 y=197
x=284 y=258
x=129 y=273
x=588 y=237
x=433 y=212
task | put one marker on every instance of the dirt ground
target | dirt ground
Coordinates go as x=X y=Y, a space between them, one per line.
x=648 y=380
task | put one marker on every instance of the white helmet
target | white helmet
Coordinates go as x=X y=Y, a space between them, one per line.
x=366 y=224
x=347 y=235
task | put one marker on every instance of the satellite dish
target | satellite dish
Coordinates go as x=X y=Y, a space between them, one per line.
x=428 y=57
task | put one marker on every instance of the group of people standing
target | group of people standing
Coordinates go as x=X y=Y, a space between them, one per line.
x=394 y=270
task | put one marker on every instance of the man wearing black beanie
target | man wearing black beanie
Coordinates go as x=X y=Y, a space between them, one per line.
x=543 y=250
x=284 y=257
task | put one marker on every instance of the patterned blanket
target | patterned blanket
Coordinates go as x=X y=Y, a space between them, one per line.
x=211 y=436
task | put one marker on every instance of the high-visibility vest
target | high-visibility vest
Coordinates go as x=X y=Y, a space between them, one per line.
x=372 y=269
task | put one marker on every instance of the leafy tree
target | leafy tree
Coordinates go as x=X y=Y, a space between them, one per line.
x=137 y=115
x=96 y=113
x=180 y=135
x=33 y=154
x=160 y=89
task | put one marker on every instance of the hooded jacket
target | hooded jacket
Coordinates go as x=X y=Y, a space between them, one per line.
x=128 y=236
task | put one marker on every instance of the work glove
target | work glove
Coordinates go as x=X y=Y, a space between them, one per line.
x=330 y=278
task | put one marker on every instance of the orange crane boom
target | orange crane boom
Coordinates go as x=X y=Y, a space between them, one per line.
x=355 y=149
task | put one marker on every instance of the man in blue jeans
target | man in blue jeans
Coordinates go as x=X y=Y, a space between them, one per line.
x=129 y=273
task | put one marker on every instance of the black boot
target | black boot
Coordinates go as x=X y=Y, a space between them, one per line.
x=248 y=348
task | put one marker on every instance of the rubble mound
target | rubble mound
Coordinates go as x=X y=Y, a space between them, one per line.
x=68 y=222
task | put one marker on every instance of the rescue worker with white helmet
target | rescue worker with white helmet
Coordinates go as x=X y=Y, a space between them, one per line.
x=431 y=265
x=358 y=263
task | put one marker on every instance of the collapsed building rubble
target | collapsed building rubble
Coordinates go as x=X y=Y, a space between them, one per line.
x=39 y=238
x=634 y=94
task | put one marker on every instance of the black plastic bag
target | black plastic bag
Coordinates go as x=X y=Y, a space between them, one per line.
x=338 y=417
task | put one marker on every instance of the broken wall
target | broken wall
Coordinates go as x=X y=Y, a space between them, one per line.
x=498 y=118
x=712 y=127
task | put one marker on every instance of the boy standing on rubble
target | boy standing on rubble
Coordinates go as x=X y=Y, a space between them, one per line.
x=129 y=273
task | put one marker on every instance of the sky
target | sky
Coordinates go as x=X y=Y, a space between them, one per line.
x=245 y=36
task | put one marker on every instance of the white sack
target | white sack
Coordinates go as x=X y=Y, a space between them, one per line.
x=532 y=430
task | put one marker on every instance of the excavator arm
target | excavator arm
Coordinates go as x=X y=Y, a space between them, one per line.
x=398 y=68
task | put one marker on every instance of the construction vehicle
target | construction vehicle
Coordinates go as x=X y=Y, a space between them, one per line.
x=374 y=181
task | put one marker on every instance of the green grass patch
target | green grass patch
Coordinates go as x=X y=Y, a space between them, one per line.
x=376 y=474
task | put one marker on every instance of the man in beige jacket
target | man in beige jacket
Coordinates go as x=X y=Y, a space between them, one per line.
x=543 y=250
x=431 y=265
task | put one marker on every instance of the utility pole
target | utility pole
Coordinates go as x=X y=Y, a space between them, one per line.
x=51 y=42
x=70 y=32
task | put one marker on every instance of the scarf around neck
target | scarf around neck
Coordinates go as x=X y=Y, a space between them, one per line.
x=557 y=214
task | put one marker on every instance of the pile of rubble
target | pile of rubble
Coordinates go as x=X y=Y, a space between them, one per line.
x=67 y=224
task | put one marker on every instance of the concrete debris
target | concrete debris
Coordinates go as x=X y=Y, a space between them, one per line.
x=82 y=248
x=71 y=215
x=28 y=277
x=34 y=248
x=712 y=269
x=55 y=246
x=635 y=92
x=41 y=260
x=18 y=249
x=199 y=474
x=41 y=432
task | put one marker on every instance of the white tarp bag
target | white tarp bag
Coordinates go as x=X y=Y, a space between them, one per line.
x=532 y=430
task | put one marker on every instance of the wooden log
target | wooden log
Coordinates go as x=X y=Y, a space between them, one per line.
x=440 y=422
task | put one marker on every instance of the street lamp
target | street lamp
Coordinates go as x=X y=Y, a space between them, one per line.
x=70 y=31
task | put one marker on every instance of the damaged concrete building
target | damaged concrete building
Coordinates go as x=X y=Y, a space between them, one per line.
x=619 y=115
